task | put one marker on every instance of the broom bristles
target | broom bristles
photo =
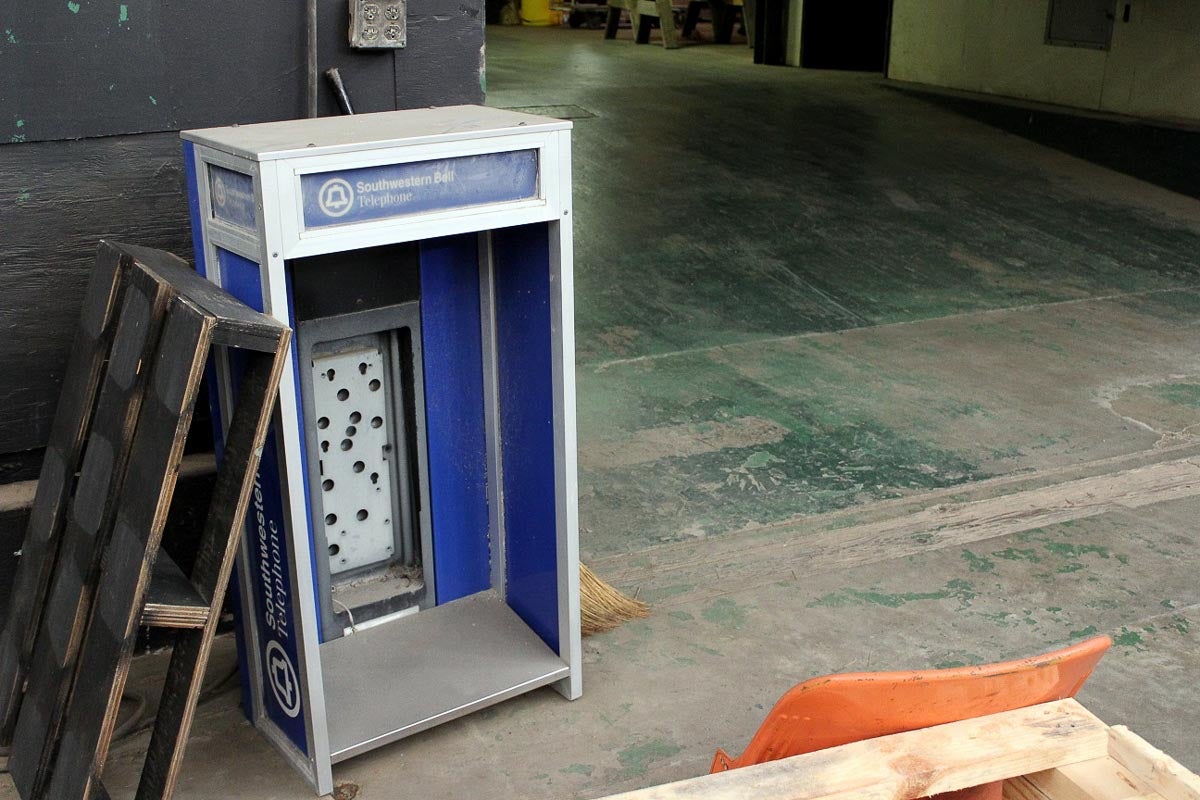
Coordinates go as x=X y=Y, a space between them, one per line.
x=602 y=607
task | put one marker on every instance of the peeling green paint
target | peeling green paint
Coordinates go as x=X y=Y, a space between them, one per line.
x=1128 y=638
x=959 y=658
x=578 y=769
x=635 y=759
x=23 y=197
x=1018 y=554
x=1008 y=619
x=726 y=613
x=1183 y=394
x=1181 y=624
x=1071 y=550
x=958 y=589
x=978 y=563
x=72 y=6
x=761 y=459
x=123 y=13
x=1090 y=630
x=152 y=100
x=967 y=410
x=9 y=36
x=664 y=592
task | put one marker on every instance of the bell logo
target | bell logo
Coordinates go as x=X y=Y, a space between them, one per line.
x=336 y=197
x=282 y=676
x=219 y=191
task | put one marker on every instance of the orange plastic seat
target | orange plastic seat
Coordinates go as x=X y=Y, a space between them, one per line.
x=839 y=709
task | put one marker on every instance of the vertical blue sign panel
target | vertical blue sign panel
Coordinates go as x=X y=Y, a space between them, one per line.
x=525 y=358
x=266 y=531
x=214 y=403
x=232 y=197
x=452 y=347
x=395 y=190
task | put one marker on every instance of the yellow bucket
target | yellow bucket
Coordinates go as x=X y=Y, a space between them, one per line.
x=538 y=13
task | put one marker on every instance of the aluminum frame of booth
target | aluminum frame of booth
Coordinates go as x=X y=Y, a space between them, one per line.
x=494 y=254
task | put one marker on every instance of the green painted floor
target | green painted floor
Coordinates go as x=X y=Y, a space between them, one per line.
x=863 y=384
x=801 y=291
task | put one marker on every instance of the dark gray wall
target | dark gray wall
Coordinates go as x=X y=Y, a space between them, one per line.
x=134 y=73
x=72 y=70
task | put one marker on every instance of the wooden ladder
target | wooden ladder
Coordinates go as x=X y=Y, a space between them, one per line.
x=91 y=570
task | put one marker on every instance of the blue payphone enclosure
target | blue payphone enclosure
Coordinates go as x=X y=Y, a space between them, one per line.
x=411 y=548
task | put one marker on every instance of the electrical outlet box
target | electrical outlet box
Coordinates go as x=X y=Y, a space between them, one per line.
x=378 y=23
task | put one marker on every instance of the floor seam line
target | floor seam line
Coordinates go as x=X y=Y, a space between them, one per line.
x=601 y=366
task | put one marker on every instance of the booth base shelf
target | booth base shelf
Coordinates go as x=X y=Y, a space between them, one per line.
x=394 y=680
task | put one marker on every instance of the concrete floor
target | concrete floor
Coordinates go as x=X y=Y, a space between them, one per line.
x=864 y=384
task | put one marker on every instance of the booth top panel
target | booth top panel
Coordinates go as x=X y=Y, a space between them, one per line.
x=268 y=141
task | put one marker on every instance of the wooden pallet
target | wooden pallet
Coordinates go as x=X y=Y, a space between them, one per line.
x=1054 y=751
x=39 y=552
x=96 y=540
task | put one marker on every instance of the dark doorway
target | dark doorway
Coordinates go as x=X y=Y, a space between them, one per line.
x=853 y=35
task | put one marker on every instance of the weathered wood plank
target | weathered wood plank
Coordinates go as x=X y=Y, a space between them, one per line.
x=237 y=324
x=92 y=510
x=214 y=563
x=144 y=501
x=1156 y=769
x=1098 y=779
x=19 y=496
x=1021 y=789
x=914 y=764
x=171 y=600
x=39 y=550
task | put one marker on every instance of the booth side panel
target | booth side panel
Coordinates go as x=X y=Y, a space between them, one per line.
x=214 y=405
x=453 y=357
x=193 y=188
x=266 y=530
x=521 y=258
x=300 y=420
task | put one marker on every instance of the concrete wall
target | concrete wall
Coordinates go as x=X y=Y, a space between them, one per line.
x=998 y=47
x=1153 y=69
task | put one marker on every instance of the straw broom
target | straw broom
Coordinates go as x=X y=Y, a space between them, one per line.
x=601 y=607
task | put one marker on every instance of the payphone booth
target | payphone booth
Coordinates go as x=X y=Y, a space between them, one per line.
x=411 y=545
